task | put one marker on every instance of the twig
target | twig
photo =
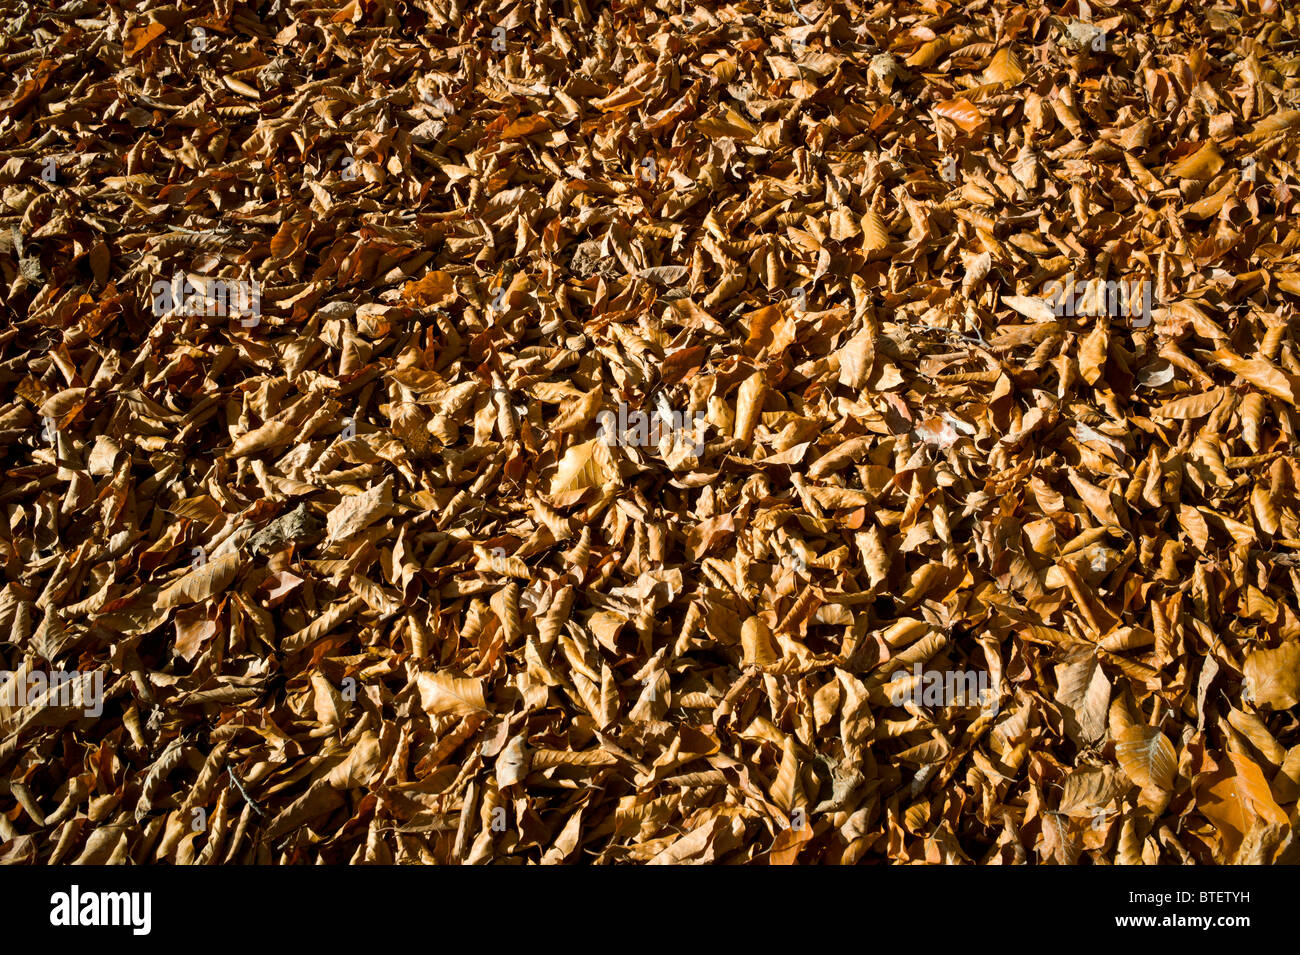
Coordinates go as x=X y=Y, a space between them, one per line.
x=252 y=803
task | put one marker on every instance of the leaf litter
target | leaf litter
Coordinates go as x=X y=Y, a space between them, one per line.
x=643 y=413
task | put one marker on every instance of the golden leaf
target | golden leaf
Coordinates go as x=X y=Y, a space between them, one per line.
x=526 y=126
x=269 y=435
x=875 y=233
x=756 y=642
x=446 y=695
x=1146 y=757
x=1277 y=122
x=1191 y=406
x=928 y=53
x=586 y=465
x=204 y=581
x=1203 y=164
x=1004 y=68
x=1273 y=676
x=358 y=511
x=1261 y=373
x=1092 y=354
x=1252 y=415
x=1084 y=694
x=788 y=842
x=786 y=792
x=856 y=358
x=962 y=112
x=1031 y=307
x=749 y=405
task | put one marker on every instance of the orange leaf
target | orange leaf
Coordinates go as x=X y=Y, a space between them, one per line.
x=788 y=842
x=1233 y=798
x=433 y=289
x=139 y=37
x=962 y=112
x=526 y=126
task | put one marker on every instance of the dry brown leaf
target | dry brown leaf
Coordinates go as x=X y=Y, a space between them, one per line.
x=1146 y=757
x=446 y=695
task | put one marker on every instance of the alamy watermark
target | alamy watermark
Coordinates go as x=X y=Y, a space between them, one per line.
x=61 y=688
x=77 y=908
x=950 y=688
x=224 y=297
x=1114 y=298
x=638 y=429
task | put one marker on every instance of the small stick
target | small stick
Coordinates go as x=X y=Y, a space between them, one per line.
x=252 y=804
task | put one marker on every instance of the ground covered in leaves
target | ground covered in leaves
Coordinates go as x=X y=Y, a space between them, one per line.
x=366 y=579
